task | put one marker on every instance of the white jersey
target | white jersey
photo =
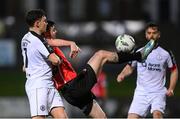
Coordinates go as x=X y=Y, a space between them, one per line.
x=151 y=75
x=35 y=57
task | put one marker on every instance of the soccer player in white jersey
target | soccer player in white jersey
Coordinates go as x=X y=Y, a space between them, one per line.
x=150 y=91
x=44 y=99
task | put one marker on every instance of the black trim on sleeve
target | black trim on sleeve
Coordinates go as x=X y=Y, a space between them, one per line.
x=172 y=57
x=171 y=54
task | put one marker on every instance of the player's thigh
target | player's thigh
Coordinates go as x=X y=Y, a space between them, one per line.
x=58 y=112
x=100 y=57
x=55 y=103
x=133 y=116
x=38 y=117
x=54 y=99
x=38 y=101
x=158 y=103
x=96 y=111
x=139 y=106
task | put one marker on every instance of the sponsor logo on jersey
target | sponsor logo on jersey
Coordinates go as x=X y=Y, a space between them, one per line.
x=159 y=57
x=154 y=67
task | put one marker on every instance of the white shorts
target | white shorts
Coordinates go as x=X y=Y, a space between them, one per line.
x=142 y=103
x=42 y=100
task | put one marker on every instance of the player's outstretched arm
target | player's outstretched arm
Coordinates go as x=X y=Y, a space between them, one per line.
x=173 y=81
x=60 y=42
x=128 y=70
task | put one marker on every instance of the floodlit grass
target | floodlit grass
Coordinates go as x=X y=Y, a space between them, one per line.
x=126 y=88
x=12 y=83
x=123 y=89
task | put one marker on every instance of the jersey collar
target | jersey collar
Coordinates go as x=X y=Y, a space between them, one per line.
x=37 y=35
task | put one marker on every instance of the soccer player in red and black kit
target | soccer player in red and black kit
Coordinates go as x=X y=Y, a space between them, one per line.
x=76 y=88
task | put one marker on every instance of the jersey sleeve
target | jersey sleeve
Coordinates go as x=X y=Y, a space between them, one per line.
x=171 y=62
x=23 y=52
x=133 y=64
x=42 y=49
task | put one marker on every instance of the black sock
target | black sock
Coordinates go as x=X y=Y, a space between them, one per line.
x=125 y=57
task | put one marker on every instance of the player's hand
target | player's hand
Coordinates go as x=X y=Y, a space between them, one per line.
x=74 y=50
x=55 y=60
x=120 y=78
x=170 y=93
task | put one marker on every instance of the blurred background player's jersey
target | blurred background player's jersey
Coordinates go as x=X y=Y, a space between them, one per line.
x=99 y=88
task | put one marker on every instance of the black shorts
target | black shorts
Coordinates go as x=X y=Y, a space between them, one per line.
x=78 y=91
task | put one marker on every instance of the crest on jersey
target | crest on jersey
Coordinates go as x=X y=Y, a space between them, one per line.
x=159 y=57
x=42 y=107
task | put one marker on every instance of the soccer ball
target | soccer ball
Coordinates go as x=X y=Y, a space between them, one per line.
x=125 y=43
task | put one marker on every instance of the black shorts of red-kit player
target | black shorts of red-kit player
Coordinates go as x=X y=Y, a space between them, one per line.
x=125 y=57
x=78 y=91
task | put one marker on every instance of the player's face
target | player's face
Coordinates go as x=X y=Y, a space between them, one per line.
x=42 y=24
x=152 y=33
x=53 y=32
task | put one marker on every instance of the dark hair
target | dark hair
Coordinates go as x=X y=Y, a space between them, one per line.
x=47 y=34
x=34 y=15
x=49 y=25
x=152 y=24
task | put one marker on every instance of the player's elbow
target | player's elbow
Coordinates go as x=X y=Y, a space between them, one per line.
x=174 y=72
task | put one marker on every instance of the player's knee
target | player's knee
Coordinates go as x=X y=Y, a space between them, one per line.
x=38 y=117
x=100 y=53
x=58 y=112
x=157 y=114
x=133 y=116
x=102 y=115
x=96 y=111
x=97 y=114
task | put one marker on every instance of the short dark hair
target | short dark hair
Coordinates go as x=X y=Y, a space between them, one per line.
x=34 y=15
x=152 y=24
x=49 y=25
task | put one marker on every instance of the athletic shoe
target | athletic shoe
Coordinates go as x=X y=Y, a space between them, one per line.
x=146 y=50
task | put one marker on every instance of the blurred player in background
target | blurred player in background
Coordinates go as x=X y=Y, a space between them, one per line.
x=100 y=89
x=77 y=91
x=150 y=91
x=38 y=58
